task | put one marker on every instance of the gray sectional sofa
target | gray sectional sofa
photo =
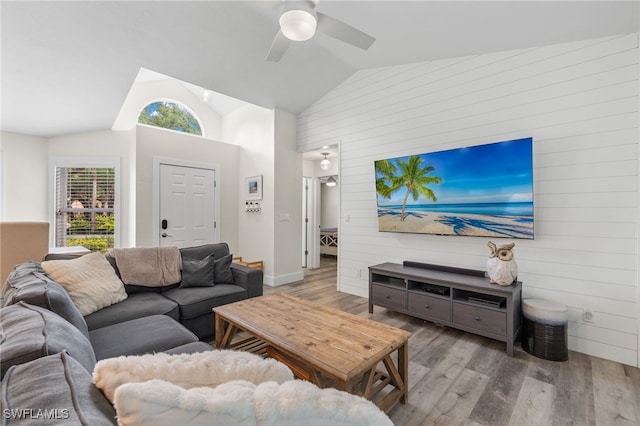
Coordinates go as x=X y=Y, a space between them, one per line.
x=49 y=349
x=191 y=306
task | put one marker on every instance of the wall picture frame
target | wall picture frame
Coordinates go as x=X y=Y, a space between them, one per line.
x=253 y=188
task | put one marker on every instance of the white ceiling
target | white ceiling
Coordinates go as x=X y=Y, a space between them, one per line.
x=67 y=66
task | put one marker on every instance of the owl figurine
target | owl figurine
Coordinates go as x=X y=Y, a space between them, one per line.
x=501 y=266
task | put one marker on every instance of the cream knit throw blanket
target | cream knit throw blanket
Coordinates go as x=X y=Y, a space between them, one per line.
x=149 y=266
x=209 y=368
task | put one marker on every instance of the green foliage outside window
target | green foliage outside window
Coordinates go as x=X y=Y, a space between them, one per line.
x=101 y=244
x=169 y=115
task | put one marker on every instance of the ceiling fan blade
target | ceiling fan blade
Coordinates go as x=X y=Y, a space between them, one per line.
x=278 y=47
x=343 y=32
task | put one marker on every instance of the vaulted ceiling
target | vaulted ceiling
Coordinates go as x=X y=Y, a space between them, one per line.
x=67 y=66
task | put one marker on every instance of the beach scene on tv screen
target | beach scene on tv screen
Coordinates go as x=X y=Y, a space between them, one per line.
x=483 y=191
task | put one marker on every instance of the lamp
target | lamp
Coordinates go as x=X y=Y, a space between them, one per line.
x=325 y=164
x=298 y=24
x=331 y=181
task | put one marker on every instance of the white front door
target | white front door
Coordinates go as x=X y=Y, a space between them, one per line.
x=187 y=206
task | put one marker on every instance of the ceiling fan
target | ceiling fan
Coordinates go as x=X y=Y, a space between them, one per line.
x=299 y=22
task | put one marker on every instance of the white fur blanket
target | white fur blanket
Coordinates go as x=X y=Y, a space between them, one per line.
x=188 y=371
x=149 y=266
x=240 y=403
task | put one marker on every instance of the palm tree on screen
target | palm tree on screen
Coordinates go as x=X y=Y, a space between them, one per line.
x=384 y=172
x=414 y=177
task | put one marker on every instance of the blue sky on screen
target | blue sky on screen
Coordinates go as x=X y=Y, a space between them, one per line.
x=492 y=173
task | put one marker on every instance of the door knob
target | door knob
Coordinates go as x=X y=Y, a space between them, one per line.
x=165 y=235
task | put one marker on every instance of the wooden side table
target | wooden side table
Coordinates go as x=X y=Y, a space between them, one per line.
x=258 y=264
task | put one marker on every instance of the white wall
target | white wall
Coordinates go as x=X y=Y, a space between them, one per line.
x=288 y=200
x=579 y=102
x=24 y=189
x=252 y=128
x=329 y=200
x=153 y=142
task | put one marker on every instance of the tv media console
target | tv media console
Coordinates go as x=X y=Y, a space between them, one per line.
x=454 y=297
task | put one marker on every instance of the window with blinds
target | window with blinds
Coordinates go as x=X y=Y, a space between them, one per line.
x=85 y=207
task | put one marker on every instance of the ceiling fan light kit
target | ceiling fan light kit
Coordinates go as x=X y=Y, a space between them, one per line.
x=325 y=164
x=298 y=24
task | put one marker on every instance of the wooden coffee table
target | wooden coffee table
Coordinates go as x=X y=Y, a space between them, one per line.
x=321 y=344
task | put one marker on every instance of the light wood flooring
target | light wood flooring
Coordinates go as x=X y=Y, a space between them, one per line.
x=457 y=378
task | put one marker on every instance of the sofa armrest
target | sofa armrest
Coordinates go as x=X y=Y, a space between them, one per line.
x=248 y=278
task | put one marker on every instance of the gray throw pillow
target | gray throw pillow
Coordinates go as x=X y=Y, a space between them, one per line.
x=222 y=273
x=198 y=272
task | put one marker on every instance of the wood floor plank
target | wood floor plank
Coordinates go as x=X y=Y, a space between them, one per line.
x=457 y=403
x=574 y=403
x=497 y=402
x=613 y=396
x=457 y=378
x=533 y=407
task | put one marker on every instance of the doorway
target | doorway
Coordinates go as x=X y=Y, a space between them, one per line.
x=187 y=206
x=320 y=204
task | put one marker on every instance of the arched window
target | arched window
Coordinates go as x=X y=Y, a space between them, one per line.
x=170 y=115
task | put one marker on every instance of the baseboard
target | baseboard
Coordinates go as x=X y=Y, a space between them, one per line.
x=283 y=279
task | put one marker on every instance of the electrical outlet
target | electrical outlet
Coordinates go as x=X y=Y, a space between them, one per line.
x=587 y=315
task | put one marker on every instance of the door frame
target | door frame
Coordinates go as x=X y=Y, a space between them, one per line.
x=157 y=161
x=313 y=214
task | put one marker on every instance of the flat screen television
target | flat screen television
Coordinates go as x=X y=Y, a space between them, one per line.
x=483 y=191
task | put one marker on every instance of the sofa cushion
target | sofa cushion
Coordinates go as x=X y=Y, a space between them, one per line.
x=29 y=283
x=155 y=333
x=30 y=332
x=210 y=368
x=222 y=270
x=239 y=402
x=198 y=272
x=59 y=384
x=196 y=301
x=200 y=252
x=90 y=280
x=137 y=305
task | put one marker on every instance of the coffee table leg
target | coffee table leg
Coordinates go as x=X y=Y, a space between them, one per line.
x=224 y=332
x=403 y=370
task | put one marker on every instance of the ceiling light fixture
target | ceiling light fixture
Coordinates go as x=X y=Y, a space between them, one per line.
x=325 y=164
x=298 y=24
x=331 y=181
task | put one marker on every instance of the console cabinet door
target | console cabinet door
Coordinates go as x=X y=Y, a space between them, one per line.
x=480 y=318
x=431 y=307
x=389 y=297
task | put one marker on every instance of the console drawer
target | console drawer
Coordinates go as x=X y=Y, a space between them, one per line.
x=429 y=306
x=480 y=318
x=389 y=297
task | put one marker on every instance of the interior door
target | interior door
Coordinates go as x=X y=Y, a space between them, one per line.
x=305 y=221
x=187 y=206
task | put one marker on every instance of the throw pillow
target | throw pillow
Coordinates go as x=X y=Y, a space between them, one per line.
x=222 y=270
x=90 y=281
x=292 y=403
x=209 y=368
x=197 y=272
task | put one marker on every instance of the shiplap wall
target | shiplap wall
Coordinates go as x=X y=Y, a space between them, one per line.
x=579 y=102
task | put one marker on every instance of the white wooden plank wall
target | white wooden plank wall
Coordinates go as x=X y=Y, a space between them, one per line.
x=579 y=101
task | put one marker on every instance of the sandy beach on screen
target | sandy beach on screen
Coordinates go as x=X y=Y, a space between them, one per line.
x=455 y=224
